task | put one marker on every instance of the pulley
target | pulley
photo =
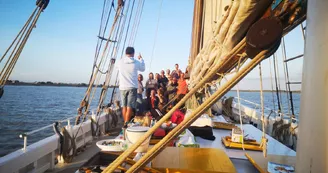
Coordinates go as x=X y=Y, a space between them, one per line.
x=264 y=34
x=42 y=3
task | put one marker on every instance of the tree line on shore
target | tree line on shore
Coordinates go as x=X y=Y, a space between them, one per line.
x=48 y=83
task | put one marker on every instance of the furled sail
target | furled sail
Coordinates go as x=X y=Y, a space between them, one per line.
x=238 y=16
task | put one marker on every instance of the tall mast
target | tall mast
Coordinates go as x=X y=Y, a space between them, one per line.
x=196 y=34
x=312 y=152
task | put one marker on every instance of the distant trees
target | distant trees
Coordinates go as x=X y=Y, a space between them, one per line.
x=47 y=83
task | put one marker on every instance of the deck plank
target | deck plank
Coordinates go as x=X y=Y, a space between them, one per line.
x=193 y=160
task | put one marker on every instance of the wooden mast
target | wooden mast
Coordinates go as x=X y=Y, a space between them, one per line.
x=312 y=151
x=196 y=33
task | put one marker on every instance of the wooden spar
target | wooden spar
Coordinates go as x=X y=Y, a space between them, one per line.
x=196 y=33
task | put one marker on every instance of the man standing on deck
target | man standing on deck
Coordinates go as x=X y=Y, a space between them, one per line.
x=128 y=68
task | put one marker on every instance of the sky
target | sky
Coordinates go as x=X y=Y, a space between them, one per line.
x=61 y=47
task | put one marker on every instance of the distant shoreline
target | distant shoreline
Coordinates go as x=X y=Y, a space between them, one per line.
x=18 y=83
x=296 y=91
x=15 y=83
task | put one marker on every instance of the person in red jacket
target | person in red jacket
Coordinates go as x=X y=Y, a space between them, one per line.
x=177 y=116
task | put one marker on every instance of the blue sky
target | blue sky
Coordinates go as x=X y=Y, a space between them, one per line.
x=61 y=47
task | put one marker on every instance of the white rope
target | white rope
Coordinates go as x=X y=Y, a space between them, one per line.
x=239 y=109
x=156 y=32
x=264 y=140
x=240 y=118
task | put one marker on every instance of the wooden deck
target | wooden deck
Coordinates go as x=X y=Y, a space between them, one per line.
x=212 y=156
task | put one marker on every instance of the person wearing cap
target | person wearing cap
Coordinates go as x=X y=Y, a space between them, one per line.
x=128 y=68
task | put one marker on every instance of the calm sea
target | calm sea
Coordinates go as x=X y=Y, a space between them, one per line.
x=26 y=108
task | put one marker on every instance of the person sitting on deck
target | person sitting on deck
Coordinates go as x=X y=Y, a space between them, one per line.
x=175 y=72
x=182 y=87
x=153 y=104
x=162 y=100
x=171 y=89
x=150 y=84
x=163 y=80
x=128 y=68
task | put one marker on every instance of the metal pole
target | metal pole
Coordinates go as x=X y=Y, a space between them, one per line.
x=24 y=136
x=312 y=151
x=25 y=142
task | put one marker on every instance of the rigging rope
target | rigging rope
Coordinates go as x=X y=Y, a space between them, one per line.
x=263 y=140
x=100 y=41
x=239 y=107
x=136 y=22
x=22 y=36
x=132 y=36
x=240 y=118
x=156 y=32
x=289 y=92
x=111 y=66
x=115 y=29
x=273 y=100
x=278 y=83
x=275 y=78
x=137 y=27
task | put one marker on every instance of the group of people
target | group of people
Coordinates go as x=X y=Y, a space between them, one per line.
x=162 y=90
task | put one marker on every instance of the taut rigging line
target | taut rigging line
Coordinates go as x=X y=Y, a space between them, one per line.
x=275 y=78
x=85 y=101
x=19 y=44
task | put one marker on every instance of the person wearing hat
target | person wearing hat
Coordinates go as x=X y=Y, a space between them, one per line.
x=128 y=68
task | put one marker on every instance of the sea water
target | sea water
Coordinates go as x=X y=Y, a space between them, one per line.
x=26 y=108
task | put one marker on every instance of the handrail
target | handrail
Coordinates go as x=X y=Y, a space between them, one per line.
x=24 y=135
x=47 y=126
x=269 y=109
x=247 y=101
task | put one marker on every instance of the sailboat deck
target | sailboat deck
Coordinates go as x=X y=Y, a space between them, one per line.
x=274 y=147
x=237 y=156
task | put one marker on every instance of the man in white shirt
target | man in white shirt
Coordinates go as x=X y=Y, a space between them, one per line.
x=128 y=68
